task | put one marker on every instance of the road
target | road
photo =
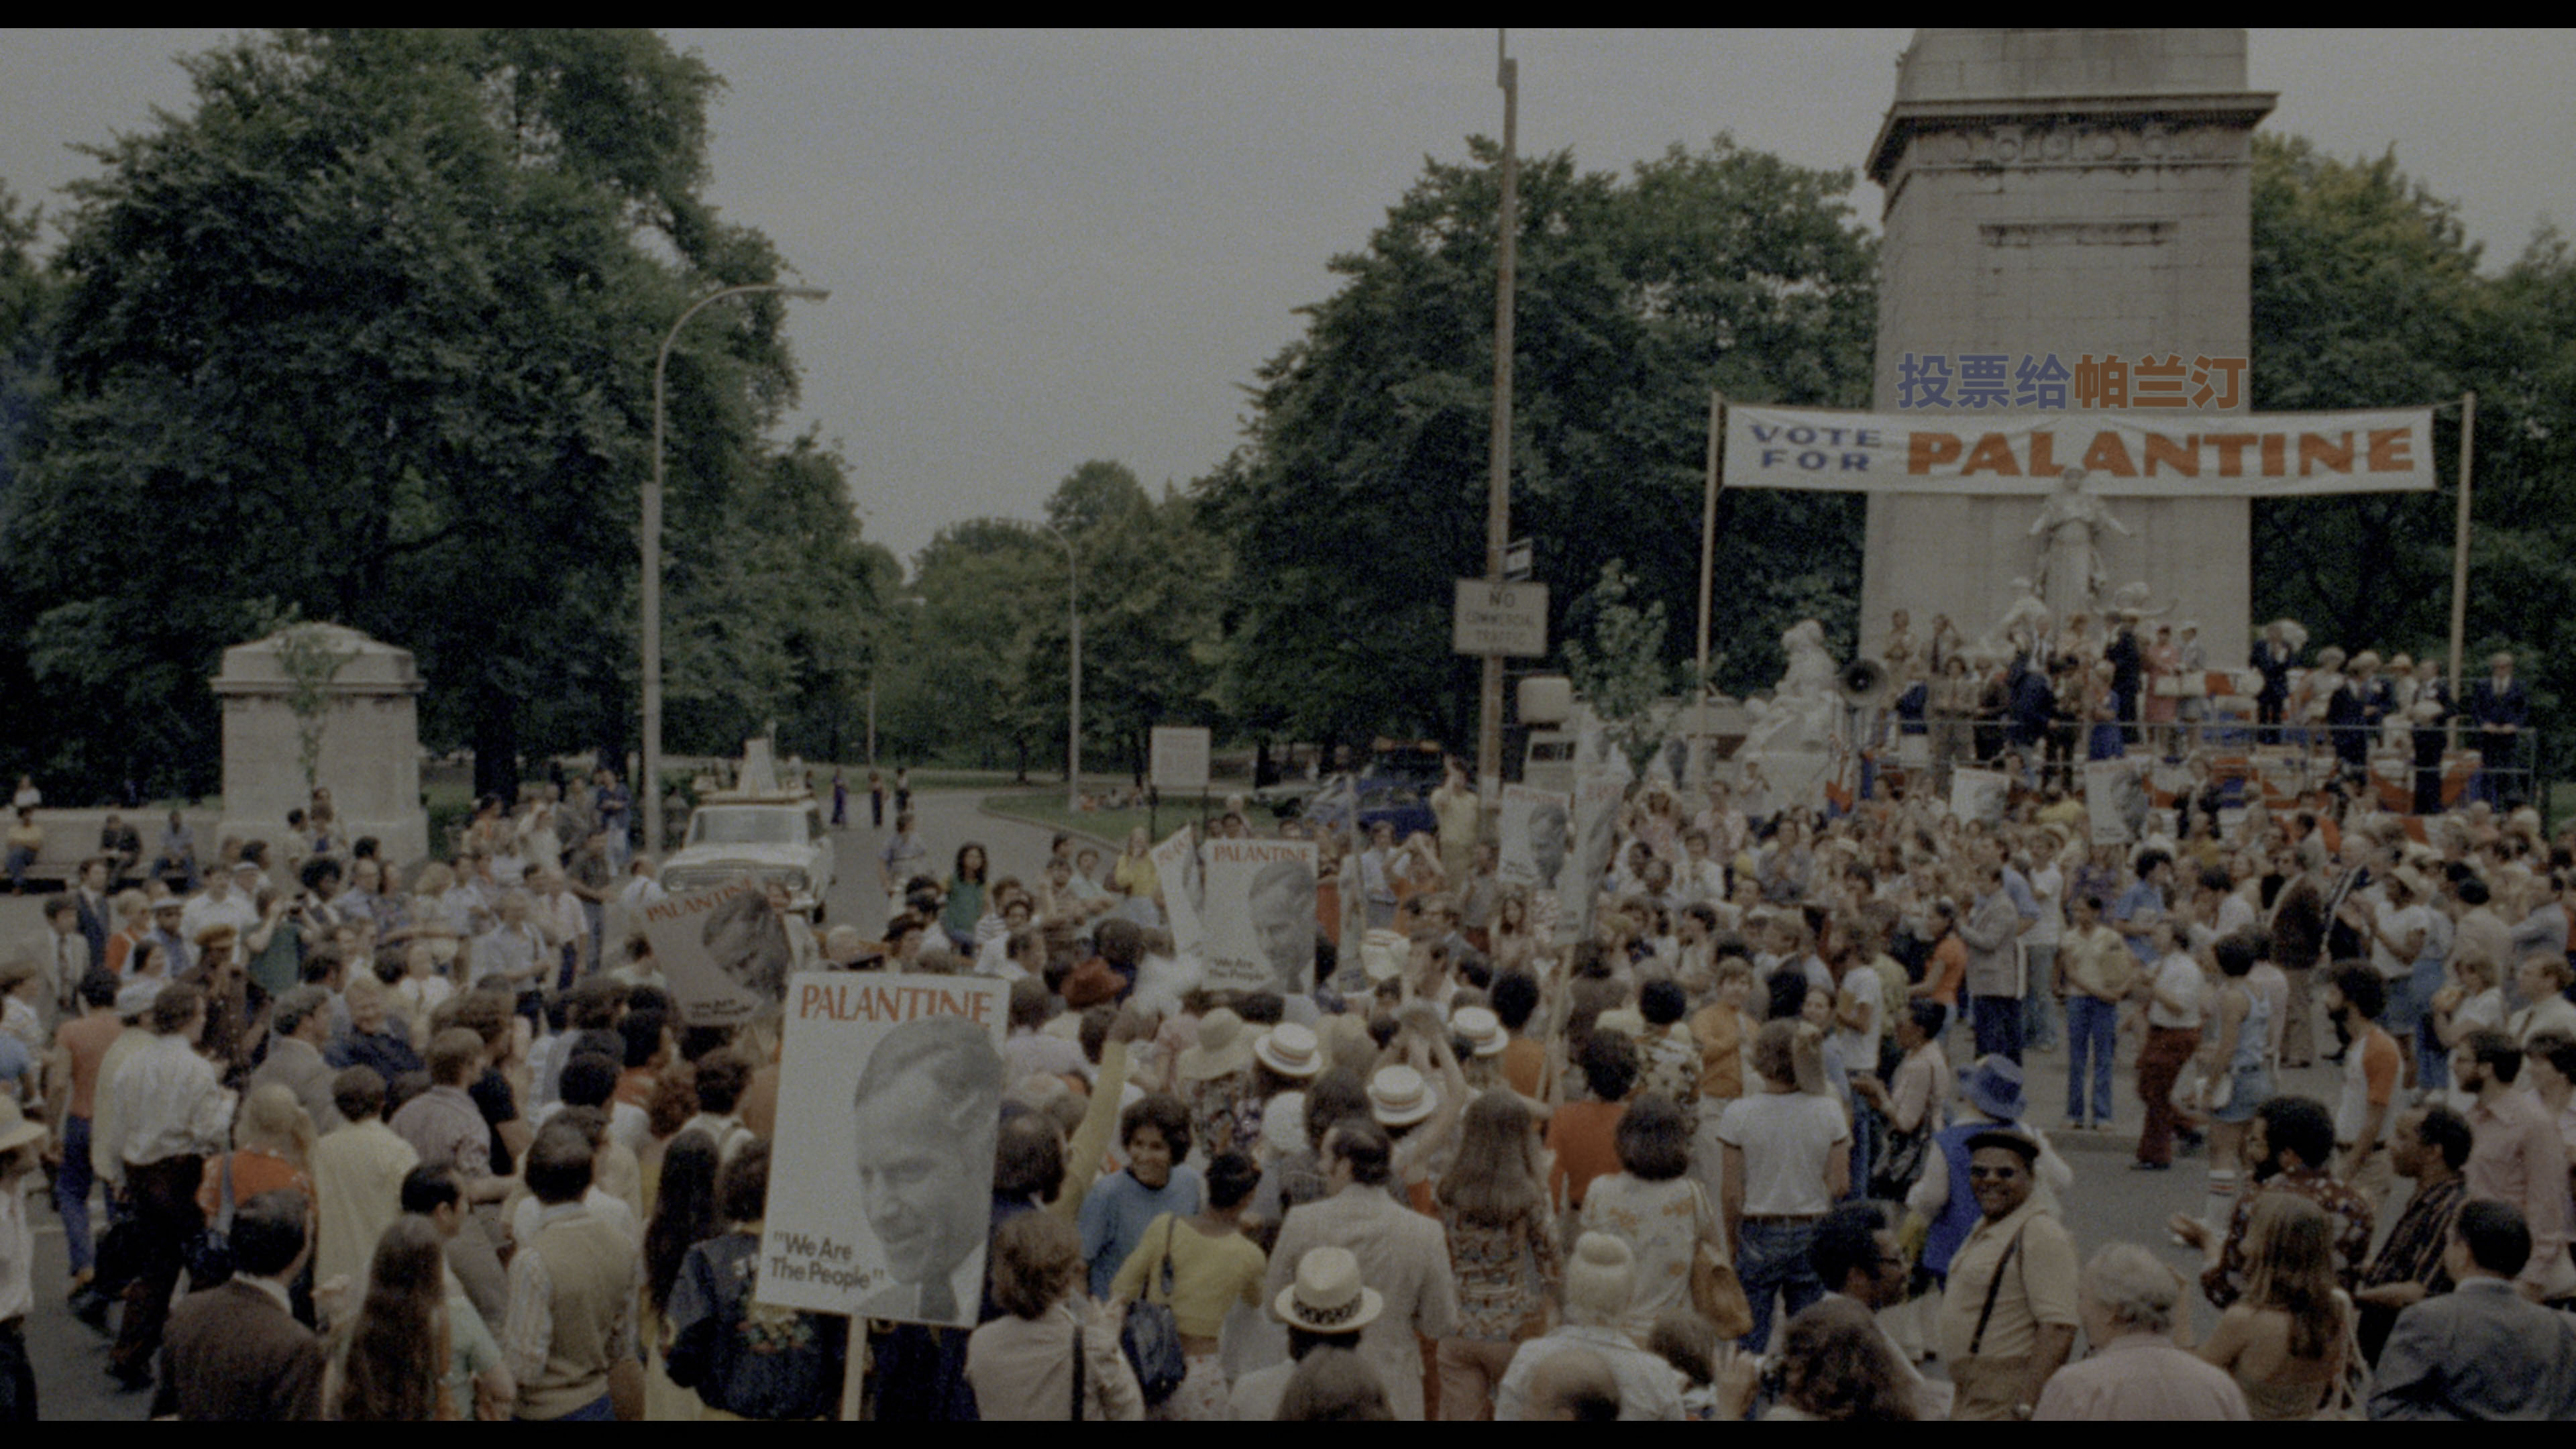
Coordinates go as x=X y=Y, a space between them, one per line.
x=2107 y=1203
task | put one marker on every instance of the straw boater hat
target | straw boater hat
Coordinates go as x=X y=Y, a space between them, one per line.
x=1480 y=1029
x=15 y=1130
x=1288 y=1049
x=1224 y=1048
x=1398 y=1097
x=1328 y=1296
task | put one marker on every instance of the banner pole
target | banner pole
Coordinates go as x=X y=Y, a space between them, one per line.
x=1707 y=570
x=2460 y=545
x=854 y=1368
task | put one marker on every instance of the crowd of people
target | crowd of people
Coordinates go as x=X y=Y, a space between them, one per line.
x=1741 y=1128
x=2047 y=698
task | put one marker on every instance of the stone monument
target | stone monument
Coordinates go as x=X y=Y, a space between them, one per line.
x=365 y=714
x=2062 y=193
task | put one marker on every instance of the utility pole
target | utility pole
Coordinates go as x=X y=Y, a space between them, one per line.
x=1498 y=502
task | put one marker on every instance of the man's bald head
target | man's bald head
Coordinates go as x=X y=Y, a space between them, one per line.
x=1574 y=1386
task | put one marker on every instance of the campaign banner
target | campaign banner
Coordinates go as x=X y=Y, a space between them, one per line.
x=1176 y=865
x=2115 y=801
x=1258 y=915
x=2127 y=454
x=881 y=1177
x=1533 y=825
x=724 y=953
x=1600 y=785
x=1979 y=795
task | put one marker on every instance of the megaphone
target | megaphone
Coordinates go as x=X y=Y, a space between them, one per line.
x=1863 y=683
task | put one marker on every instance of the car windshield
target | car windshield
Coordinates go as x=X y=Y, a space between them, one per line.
x=746 y=825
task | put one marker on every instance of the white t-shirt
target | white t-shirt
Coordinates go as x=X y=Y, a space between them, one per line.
x=1860 y=1046
x=2397 y=926
x=2177 y=976
x=2048 y=887
x=1788 y=1138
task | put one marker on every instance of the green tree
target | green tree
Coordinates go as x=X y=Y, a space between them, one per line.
x=1360 y=493
x=2368 y=293
x=1622 y=673
x=368 y=335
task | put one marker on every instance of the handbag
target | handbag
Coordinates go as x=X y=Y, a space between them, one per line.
x=1715 y=1291
x=210 y=1252
x=1151 y=1336
x=1901 y=1167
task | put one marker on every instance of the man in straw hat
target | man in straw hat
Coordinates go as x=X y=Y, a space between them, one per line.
x=1600 y=1281
x=20 y=1141
x=1404 y=1253
x=1326 y=1307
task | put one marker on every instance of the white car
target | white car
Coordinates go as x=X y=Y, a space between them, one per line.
x=765 y=837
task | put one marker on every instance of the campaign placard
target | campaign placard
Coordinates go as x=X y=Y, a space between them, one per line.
x=1176 y=865
x=1979 y=795
x=1534 y=830
x=724 y=953
x=1259 y=915
x=881 y=1177
x=2115 y=801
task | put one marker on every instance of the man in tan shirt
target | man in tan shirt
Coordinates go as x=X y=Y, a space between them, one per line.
x=2095 y=972
x=2008 y=1316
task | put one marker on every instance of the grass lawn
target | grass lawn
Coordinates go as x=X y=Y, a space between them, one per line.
x=1046 y=807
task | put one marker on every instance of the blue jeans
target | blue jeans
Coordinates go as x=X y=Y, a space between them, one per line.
x=1771 y=1258
x=71 y=1192
x=2092 y=1039
x=2038 y=1021
x=600 y=1410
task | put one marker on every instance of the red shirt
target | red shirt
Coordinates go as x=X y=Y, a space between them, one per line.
x=1584 y=1136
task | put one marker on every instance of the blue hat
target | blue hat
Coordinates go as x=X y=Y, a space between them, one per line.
x=1993 y=1086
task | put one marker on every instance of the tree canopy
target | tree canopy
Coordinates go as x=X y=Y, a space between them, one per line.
x=1360 y=492
x=367 y=336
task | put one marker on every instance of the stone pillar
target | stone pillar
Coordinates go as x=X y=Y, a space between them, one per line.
x=370 y=760
x=2066 y=192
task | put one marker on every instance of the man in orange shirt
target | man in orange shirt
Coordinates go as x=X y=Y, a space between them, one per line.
x=79 y=1046
x=1583 y=1136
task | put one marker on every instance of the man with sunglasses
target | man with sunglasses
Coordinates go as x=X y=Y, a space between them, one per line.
x=2008 y=1316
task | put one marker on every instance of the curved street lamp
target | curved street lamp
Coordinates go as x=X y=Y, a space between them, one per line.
x=650 y=793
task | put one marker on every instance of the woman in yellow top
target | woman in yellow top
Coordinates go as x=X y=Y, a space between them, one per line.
x=1213 y=1267
x=1134 y=875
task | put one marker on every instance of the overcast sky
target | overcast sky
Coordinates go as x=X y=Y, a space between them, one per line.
x=1045 y=248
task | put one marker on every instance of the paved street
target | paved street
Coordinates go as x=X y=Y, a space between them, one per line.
x=2109 y=1202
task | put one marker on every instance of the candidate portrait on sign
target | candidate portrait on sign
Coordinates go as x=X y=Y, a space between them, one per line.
x=1283 y=922
x=1547 y=831
x=748 y=943
x=928 y=1108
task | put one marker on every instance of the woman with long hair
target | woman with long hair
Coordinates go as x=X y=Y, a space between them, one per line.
x=741 y=1361
x=2286 y=1339
x=1515 y=938
x=1134 y=875
x=684 y=1215
x=1653 y=1206
x=1834 y=1364
x=1502 y=1249
x=394 y=1366
x=963 y=903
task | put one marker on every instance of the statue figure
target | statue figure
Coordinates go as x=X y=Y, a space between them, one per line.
x=2071 y=576
x=1792 y=736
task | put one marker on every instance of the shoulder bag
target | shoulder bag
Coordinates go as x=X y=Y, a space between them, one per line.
x=1151 y=1336
x=1715 y=1291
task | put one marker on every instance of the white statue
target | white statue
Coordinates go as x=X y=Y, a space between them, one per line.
x=2071 y=575
x=1792 y=736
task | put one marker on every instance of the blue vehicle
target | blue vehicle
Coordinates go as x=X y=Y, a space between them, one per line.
x=1361 y=803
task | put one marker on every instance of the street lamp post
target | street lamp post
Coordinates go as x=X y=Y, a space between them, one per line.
x=1073 y=706
x=648 y=791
